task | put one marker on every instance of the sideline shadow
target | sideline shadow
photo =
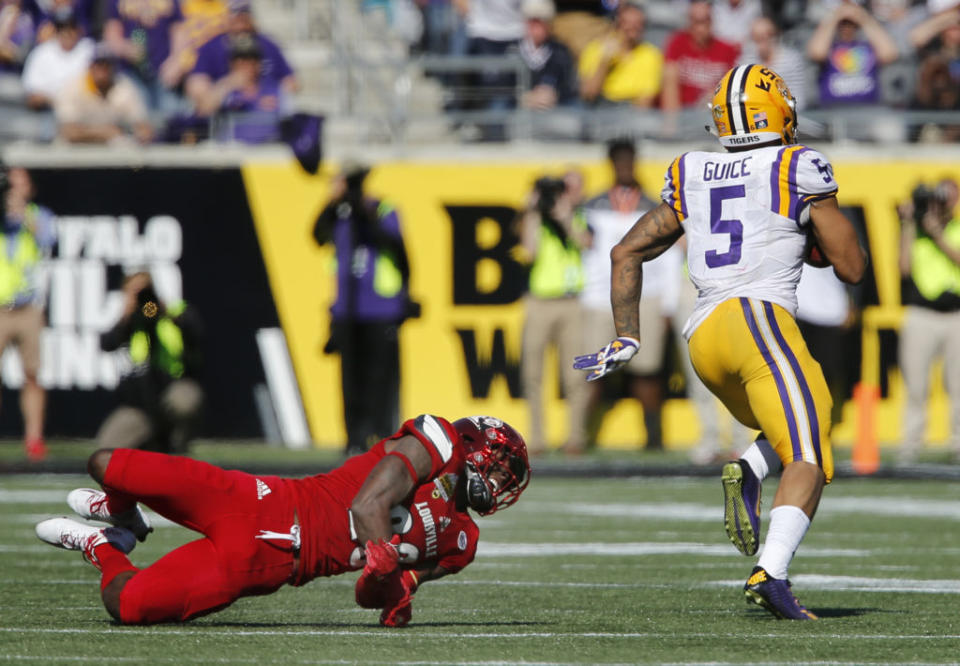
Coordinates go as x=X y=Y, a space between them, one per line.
x=269 y=625
x=848 y=612
x=516 y=623
x=337 y=625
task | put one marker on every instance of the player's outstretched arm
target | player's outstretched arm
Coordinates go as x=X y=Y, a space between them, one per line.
x=387 y=485
x=647 y=239
x=838 y=240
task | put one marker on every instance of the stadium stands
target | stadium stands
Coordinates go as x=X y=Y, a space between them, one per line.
x=378 y=71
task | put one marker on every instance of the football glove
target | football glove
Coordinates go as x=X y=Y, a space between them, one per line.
x=397 y=610
x=370 y=591
x=612 y=357
x=382 y=557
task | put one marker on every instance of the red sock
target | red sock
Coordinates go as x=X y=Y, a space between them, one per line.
x=118 y=503
x=111 y=562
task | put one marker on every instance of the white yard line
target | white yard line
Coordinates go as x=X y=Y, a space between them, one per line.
x=547 y=549
x=33 y=496
x=691 y=511
x=682 y=511
x=891 y=506
x=200 y=630
x=864 y=584
x=33 y=518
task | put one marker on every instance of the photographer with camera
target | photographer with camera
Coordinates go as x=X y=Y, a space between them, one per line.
x=553 y=233
x=373 y=278
x=160 y=398
x=930 y=268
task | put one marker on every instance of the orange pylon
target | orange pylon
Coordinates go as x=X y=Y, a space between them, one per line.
x=866 y=452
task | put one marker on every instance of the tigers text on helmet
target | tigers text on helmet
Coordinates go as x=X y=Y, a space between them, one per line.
x=497 y=467
x=752 y=106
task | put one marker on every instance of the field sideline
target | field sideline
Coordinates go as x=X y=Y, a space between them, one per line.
x=581 y=570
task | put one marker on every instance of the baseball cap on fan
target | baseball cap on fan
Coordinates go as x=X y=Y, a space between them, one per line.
x=246 y=46
x=541 y=10
x=64 y=17
x=937 y=6
x=104 y=53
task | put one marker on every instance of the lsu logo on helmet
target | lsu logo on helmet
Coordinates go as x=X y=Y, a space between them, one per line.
x=752 y=106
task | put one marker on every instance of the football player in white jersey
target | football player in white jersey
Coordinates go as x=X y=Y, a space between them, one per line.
x=752 y=216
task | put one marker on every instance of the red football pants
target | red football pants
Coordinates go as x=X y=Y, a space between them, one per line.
x=229 y=508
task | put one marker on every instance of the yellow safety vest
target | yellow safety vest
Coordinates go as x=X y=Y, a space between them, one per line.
x=933 y=272
x=13 y=269
x=169 y=357
x=557 y=269
x=387 y=278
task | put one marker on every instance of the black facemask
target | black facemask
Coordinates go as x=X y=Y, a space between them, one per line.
x=480 y=493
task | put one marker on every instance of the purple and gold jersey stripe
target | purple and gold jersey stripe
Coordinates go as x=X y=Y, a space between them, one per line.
x=801 y=379
x=777 y=376
x=775 y=181
x=792 y=388
x=785 y=200
x=677 y=199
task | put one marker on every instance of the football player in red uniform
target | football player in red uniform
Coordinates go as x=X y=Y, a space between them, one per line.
x=399 y=512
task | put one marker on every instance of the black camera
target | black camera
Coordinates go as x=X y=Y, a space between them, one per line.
x=924 y=196
x=148 y=305
x=355 y=184
x=548 y=191
x=354 y=174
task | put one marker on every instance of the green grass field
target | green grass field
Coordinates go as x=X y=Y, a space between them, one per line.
x=579 y=571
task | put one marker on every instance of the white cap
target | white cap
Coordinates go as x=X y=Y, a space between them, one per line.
x=934 y=6
x=543 y=10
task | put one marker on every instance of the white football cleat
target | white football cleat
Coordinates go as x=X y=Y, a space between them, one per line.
x=71 y=535
x=92 y=505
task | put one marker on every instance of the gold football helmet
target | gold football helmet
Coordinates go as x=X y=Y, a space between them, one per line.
x=752 y=106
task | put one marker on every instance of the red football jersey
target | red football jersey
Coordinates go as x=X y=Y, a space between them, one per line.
x=428 y=522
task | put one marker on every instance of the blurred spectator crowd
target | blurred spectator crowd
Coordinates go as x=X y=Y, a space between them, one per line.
x=138 y=71
x=669 y=54
x=96 y=71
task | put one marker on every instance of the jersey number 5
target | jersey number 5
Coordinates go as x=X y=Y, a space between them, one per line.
x=732 y=227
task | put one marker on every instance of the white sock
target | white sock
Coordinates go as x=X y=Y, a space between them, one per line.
x=753 y=456
x=788 y=525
